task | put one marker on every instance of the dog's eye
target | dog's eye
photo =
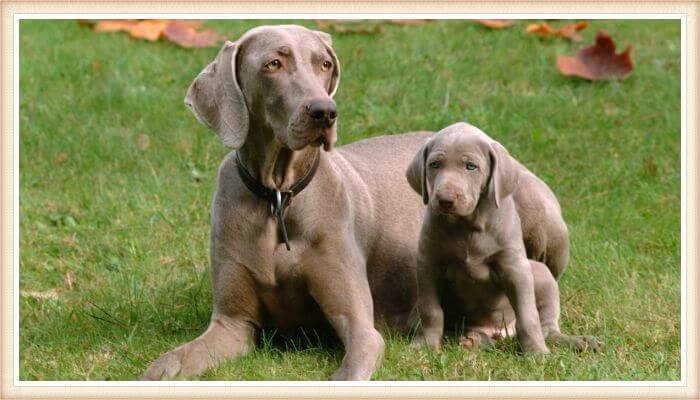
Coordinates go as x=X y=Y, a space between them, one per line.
x=434 y=164
x=326 y=65
x=471 y=166
x=273 y=65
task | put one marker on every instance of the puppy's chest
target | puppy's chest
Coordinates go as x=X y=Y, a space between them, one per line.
x=470 y=261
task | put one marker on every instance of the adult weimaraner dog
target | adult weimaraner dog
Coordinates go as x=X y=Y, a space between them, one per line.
x=340 y=251
x=473 y=268
x=352 y=231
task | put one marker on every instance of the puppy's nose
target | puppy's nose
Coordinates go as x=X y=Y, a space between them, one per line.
x=446 y=203
x=322 y=112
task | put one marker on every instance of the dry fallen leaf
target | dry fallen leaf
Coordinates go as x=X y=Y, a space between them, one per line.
x=181 y=32
x=568 y=31
x=60 y=158
x=114 y=25
x=598 y=61
x=149 y=29
x=86 y=22
x=142 y=141
x=51 y=294
x=571 y=31
x=185 y=34
x=167 y=260
x=495 y=23
x=409 y=21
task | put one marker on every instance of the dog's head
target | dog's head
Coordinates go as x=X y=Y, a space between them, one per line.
x=282 y=78
x=459 y=167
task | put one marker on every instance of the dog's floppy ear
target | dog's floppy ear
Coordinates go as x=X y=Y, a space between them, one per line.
x=416 y=175
x=215 y=98
x=504 y=173
x=335 y=77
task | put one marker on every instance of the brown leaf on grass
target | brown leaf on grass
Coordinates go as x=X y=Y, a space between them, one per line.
x=195 y=23
x=149 y=29
x=167 y=260
x=568 y=31
x=142 y=141
x=571 y=31
x=181 y=32
x=60 y=159
x=51 y=294
x=86 y=22
x=114 y=25
x=495 y=23
x=409 y=21
x=598 y=61
x=185 y=34
x=349 y=26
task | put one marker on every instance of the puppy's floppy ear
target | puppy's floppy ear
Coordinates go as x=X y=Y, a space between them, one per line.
x=416 y=175
x=505 y=173
x=335 y=77
x=215 y=98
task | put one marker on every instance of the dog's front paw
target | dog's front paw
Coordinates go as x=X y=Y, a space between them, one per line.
x=186 y=361
x=582 y=343
x=167 y=367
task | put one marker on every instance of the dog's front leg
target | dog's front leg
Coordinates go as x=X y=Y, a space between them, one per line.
x=431 y=325
x=230 y=333
x=514 y=274
x=339 y=285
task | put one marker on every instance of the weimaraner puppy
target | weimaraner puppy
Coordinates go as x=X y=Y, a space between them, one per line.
x=473 y=268
x=300 y=237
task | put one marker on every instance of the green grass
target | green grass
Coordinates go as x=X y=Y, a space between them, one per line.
x=130 y=226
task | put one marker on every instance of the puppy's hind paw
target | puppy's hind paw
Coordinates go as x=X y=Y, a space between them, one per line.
x=420 y=342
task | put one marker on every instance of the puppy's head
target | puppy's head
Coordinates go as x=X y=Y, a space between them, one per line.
x=282 y=78
x=460 y=167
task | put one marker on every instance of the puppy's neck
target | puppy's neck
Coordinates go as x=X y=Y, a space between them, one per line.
x=273 y=163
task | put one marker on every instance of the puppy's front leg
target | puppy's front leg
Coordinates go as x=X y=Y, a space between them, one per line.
x=432 y=320
x=339 y=286
x=514 y=274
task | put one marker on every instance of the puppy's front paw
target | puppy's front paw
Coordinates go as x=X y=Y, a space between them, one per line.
x=532 y=347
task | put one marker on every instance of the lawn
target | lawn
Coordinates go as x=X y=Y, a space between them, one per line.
x=116 y=178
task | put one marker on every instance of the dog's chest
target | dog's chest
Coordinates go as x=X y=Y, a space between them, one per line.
x=469 y=263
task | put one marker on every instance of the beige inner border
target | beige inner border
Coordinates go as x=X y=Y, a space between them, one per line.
x=10 y=8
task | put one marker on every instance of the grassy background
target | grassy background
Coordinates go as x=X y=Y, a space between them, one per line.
x=129 y=225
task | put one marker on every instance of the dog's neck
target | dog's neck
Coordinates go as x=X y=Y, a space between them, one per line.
x=273 y=163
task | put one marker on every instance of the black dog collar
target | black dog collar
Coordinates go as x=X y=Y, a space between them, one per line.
x=279 y=200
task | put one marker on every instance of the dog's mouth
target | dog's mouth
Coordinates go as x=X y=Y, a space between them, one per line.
x=321 y=141
x=316 y=137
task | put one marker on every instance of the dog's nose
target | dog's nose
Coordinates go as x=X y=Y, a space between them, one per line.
x=322 y=112
x=445 y=203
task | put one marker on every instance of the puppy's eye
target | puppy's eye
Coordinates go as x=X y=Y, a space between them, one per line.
x=434 y=164
x=273 y=65
x=471 y=166
x=326 y=65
